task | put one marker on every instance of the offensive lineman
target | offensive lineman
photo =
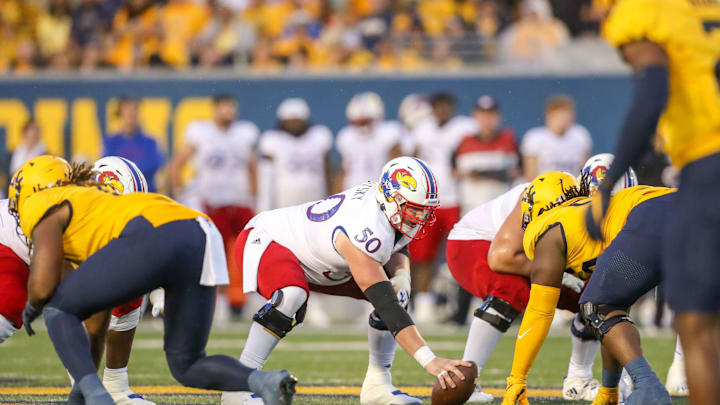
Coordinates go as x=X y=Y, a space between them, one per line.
x=149 y=241
x=350 y=244
x=673 y=46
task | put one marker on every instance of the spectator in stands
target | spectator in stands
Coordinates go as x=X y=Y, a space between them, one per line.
x=486 y=162
x=224 y=186
x=90 y=22
x=532 y=39
x=181 y=21
x=133 y=39
x=31 y=145
x=133 y=143
x=225 y=38
x=560 y=145
x=294 y=165
x=53 y=34
x=436 y=138
x=368 y=142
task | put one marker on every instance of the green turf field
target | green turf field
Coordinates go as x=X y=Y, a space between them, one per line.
x=331 y=363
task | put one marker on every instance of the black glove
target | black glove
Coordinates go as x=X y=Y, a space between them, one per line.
x=29 y=315
x=596 y=214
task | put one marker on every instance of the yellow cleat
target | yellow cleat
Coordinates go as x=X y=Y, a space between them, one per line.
x=606 y=396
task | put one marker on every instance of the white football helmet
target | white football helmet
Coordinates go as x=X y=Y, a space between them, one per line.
x=293 y=108
x=413 y=109
x=596 y=168
x=121 y=174
x=408 y=195
x=365 y=106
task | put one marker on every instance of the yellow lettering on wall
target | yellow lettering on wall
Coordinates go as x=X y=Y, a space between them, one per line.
x=13 y=116
x=112 y=121
x=154 y=119
x=86 y=136
x=187 y=111
x=51 y=116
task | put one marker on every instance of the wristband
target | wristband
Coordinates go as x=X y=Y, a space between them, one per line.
x=424 y=356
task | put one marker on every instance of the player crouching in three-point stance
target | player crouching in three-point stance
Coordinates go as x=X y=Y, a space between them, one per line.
x=624 y=267
x=124 y=246
x=351 y=244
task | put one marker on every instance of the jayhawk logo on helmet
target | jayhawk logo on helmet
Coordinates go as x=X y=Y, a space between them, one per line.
x=392 y=182
x=112 y=180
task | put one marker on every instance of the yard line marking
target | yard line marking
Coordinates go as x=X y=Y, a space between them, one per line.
x=304 y=390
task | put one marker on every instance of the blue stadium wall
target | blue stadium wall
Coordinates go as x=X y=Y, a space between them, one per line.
x=75 y=113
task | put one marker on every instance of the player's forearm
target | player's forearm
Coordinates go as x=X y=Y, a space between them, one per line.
x=651 y=90
x=534 y=327
x=410 y=340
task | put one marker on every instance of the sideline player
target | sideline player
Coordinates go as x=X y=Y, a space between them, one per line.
x=553 y=210
x=124 y=177
x=486 y=257
x=149 y=241
x=350 y=244
x=673 y=46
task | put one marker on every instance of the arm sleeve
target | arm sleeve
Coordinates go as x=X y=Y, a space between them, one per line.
x=534 y=327
x=651 y=92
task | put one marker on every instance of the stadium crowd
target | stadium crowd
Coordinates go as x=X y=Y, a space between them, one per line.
x=267 y=35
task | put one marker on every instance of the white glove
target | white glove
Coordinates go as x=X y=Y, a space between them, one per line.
x=157 y=300
x=572 y=282
x=6 y=329
x=401 y=284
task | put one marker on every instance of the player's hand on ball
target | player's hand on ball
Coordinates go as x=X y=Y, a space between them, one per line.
x=516 y=392
x=157 y=299
x=442 y=368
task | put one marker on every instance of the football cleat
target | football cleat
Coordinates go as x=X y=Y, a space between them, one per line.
x=129 y=398
x=377 y=389
x=241 y=398
x=676 y=382
x=480 y=397
x=580 y=389
x=606 y=396
x=275 y=387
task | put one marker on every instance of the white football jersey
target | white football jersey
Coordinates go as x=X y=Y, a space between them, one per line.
x=293 y=167
x=483 y=222
x=435 y=145
x=364 y=154
x=309 y=232
x=564 y=153
x=9 y=235
x=221 y=162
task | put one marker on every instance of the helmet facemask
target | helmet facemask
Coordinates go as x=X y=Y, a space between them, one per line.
x=410 y=218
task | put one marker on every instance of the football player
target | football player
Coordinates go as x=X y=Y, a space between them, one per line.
x=485 y=255
x=124 y=245
x=351 y=244
x=625 y=267
x=124 y=177
x=673 y=46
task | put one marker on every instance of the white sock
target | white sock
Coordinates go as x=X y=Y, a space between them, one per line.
x=382 y=347
x=116 y=379
x=583 y=354
x=424 y=299
x=481 y=342
x=258 y=346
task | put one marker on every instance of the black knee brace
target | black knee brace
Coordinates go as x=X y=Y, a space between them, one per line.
x=585 y=333
x=596 y=318
x=501 y=322
x=275 y=321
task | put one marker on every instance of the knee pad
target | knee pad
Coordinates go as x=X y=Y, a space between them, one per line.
x=580 y=330
x=375 y=321
x=284 y=311
x=125 y=322
x=596 y=318
x=497 y=312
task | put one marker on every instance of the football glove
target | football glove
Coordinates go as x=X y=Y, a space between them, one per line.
x=516 y=391
x=596 y=214
x=572 y=282
x=401 y=284
x=30 y=313
x=157 y=300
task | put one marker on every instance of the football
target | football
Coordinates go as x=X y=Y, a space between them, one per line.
x=462 y=391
